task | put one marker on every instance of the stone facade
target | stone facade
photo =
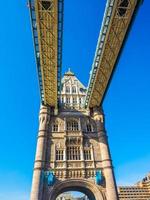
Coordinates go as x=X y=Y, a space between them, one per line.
x=73 y=147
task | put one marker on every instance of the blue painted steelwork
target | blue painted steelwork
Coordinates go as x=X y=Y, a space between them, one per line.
x=100 y=46
x=31 y=4
x=49 y=178
x=42 y=177
x=60 y=39
x=99 y=177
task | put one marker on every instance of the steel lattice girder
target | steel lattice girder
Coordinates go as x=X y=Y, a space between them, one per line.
x=116 y=23
x=47 y=28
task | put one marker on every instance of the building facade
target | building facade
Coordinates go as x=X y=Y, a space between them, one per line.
x=72 y=148
x=140 y=191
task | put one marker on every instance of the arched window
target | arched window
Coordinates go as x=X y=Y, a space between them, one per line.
x=55 y=127
x=67 y=89
x=72 y=125
x=73 y=89
x=89 y=128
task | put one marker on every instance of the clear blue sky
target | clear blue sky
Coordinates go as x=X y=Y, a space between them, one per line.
x=127 y=104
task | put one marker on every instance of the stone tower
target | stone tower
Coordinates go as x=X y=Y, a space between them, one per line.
x=72 y=148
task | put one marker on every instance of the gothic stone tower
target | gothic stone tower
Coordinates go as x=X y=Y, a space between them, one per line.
x=72 y=149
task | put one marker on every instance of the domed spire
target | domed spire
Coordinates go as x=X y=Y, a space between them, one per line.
x=69 y=73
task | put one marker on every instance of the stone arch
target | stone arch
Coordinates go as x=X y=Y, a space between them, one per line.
x=93 y=191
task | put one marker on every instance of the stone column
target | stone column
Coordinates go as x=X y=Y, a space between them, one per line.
x=111 y=189
x=65 y=124
x=37 y=180
x=65 y=163
x=64 y=99
x=92 y=152
x=82 y=158
x=80 y=128
x=54 y=147
x=81 y=153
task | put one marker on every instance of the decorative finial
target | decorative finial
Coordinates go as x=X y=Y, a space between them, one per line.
x=69 y=72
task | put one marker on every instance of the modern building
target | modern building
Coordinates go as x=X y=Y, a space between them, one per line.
x=140 y=191
x=72 y=148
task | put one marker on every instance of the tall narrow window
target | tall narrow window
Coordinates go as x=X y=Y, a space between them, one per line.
x=72 y=125
x=55 y=127
x=89 y=128
x=68 y=100
x=87 y=154
x=59 y=154
x=74 y=100
x=73 y=89
x=68 y=89
x=80 y=100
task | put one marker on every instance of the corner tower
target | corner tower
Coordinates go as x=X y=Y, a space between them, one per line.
x=72 y=148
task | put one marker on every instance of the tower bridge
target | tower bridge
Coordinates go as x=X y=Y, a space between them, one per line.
x=72 y=147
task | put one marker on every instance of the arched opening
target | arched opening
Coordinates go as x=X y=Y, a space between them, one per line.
x=75 y=192
x=89 y=190
x=72 y=195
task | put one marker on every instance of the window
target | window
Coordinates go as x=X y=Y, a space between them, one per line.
x=68 y=100
x=59 y=154
x=55 y=127
x=62 y=99
x=67 y=89
x=80 y=100
x=73 y=89
x=74 y=100
x=87 y=154
x=73 y=153
x=72 y=126
x=89 y=128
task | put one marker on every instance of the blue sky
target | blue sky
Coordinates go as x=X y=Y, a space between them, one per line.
x=126 y=105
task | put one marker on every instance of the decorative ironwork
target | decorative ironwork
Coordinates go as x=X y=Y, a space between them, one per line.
x=117 y=20
x=99 y=177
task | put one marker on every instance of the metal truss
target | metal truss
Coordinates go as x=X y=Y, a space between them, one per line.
x=47 y=28
x=116 y=22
